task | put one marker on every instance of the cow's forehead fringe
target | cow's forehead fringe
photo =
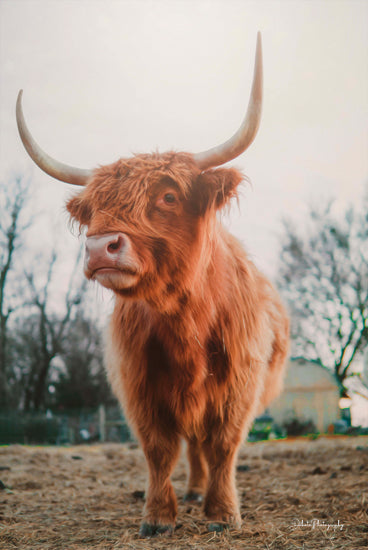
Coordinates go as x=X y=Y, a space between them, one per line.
x=140 y=173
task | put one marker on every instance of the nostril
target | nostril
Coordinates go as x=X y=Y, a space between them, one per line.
x=115 y=245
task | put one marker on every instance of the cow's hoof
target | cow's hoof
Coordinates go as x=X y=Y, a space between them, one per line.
x=152 y=529
x=192 y=496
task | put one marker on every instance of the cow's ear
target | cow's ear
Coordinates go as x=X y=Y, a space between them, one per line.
x=215 y=188
x=79 y=210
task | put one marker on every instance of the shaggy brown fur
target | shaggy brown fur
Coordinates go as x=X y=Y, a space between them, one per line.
x=198 y=337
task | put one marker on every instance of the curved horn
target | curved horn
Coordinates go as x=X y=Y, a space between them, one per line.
x=52 y=167
x=241 y=140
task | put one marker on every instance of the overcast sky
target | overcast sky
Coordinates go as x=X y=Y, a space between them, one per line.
x=103 y=79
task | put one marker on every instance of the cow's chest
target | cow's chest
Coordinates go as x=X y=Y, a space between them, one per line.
x=165 y=379
x=172 y=384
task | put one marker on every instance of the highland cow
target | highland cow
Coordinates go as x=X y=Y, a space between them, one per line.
x=198 y=337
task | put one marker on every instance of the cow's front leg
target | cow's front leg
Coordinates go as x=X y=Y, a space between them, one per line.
x=221 y=503
x=161 y=505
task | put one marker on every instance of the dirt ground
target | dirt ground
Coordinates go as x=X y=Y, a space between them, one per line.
x=299 y=494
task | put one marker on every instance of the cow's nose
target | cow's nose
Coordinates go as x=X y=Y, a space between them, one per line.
x=103 y=251
x=111 y=243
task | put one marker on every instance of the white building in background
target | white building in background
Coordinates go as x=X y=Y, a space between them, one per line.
x=310 y=393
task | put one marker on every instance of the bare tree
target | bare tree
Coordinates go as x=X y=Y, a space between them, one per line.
x=39 y=309
x=324 y=277
x=82 y=382
x=13 y=198
x=51 y=322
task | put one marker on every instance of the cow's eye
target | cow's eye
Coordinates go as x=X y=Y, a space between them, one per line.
x=169 y=198
x=168 y=202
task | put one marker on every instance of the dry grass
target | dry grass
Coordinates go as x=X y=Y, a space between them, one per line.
x=86 y=498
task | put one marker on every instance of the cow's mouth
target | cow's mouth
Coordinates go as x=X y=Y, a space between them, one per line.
x=113 y=270
x=115 y=278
